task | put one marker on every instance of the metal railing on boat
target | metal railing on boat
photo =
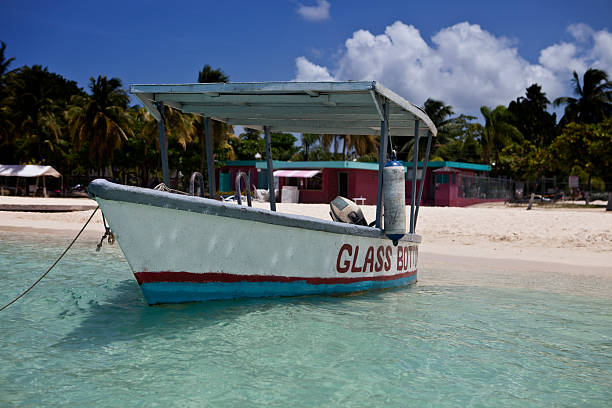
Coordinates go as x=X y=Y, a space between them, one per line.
x=247 y=183
x=196 y=176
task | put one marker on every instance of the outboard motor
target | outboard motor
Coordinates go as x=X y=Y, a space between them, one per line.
x=394 y=182
x=347 y=211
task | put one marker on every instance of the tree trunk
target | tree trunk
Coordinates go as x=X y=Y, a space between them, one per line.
x=530 y=201
x=588 y=190
x=145 y=176
x=203 y=154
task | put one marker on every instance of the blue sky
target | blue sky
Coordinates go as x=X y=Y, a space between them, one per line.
x=467 y=54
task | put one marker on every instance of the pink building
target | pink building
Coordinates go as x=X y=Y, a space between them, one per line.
x=446 y=183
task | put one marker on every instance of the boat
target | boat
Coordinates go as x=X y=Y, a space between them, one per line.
x=184 y=248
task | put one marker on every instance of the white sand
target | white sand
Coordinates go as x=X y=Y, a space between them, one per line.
x=574 y=237
x=575 y=241
x=45 y=201
x=62 y=222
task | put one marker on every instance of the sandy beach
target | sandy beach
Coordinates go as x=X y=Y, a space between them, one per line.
x=493 y=237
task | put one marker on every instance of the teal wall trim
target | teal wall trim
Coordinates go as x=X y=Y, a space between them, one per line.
x=353 y=165
x=320 y=165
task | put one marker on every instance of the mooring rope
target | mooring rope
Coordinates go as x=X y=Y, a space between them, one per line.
x=163 y=187
x=52 y=266
x=390 y=138
x=108 y=233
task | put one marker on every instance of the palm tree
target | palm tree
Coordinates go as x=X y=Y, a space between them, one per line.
x=439 y=113
x=210 y=75
x=4 y=63
x=531 y=117
x=101 y=119
x=594 y=102
x=34 y=103
x=329 y=141
x=308 y=140
x=48 y=137
x=220 y=130
x=361 y=145
x=146 y=134
x=497 y=132
x=6 y=124
x=364 y=144
x=180 y=126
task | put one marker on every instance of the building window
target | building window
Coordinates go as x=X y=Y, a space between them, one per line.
x=314 y=183
x=441 y=178
x=292 y=181
x=410 y=172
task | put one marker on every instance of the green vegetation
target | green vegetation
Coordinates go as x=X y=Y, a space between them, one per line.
x=48 y=119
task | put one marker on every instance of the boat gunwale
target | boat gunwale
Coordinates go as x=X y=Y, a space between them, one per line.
x=107 y=190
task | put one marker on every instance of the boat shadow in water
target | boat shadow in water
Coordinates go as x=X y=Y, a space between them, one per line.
x=127 y=317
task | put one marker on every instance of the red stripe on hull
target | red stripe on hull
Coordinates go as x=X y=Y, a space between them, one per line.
x=150 y=277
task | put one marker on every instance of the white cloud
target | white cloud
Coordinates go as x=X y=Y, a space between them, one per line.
x=320 y=12
x=309 y=72
x=581 y=32
x=465 y=66
x=592 y=49
x=602 y=51
x=562 y=58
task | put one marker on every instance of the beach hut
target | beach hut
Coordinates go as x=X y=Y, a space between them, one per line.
x=446 y=186
x=28 y=171
x=445 y=183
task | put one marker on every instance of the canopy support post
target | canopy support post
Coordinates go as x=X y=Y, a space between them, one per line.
x=382 y=157
x=268 y=141
x=210 y=164
x=44 y=188
x=424 y=174
x=163 y=142
x=415 y=162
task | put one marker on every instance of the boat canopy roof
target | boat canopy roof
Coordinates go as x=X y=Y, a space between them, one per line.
x=354 y=108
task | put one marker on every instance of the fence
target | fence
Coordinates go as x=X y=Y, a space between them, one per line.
x=552 y=188
x=487 y=188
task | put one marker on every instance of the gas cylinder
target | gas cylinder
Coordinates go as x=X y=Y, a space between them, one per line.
x=394 y=192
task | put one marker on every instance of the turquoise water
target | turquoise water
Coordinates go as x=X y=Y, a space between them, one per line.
x=85 y=337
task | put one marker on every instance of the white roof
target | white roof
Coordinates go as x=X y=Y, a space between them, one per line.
x=28 y=170
x=307 y=107
x=296 y=173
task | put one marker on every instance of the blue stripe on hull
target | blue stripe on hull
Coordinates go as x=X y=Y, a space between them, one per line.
x=179 y=292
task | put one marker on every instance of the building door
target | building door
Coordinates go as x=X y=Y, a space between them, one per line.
x=343 y=184
x=432 y=188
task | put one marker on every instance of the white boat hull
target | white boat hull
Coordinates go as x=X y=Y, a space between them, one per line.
x=184 y=249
